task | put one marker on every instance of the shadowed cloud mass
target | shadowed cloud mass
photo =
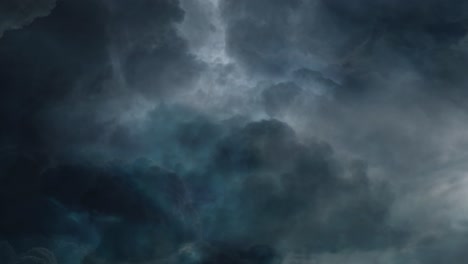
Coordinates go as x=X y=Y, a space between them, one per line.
x=233 y=131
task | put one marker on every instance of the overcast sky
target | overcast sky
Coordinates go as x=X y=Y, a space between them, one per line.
x=234 y=131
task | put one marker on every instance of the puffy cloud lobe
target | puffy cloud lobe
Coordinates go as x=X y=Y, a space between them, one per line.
x=272 y=179
x=152 y=56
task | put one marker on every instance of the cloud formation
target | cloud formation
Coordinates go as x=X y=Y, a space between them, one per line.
x=16 y=14
x=233 y=131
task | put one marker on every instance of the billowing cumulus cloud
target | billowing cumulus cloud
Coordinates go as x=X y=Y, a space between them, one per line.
x=233 y=131
x=252 y=179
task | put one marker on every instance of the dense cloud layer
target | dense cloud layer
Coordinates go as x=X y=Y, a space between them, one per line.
x=233 y=131
x=256 y=177
x=81 y=61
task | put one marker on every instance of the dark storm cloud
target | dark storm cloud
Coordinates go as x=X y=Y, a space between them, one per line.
x=247 y=179
x=399 y=61
x=130 y=208
x=34 y=255
x=228 y=204
x=16 y=14
x=152 y=56
x=359 y=40
x=272 y=179
x=58 y=74
x=265 y=45
x=105 y=157
x=381 y=80
x=66 y=66
x=280 y=96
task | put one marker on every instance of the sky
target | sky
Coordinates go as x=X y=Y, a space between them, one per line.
x=233 y=131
